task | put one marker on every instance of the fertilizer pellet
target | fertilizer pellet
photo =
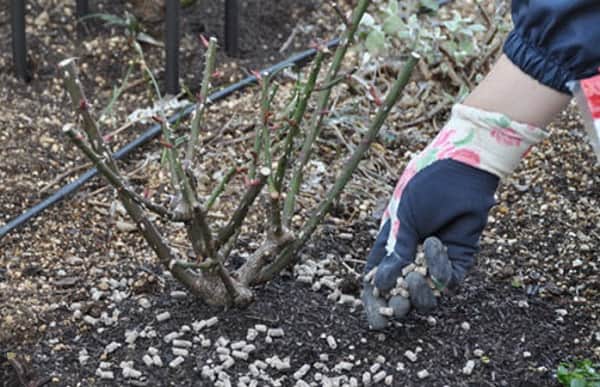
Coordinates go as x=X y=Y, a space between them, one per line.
x=90 y=320
x=129 y=372
x=333 y=296
x=157 y=361
x=331 y=342
x=228 y=363
x=131 y=336
x=240 y=355
x=389 y=380
x=421 y=270
x=105 y=374
x=260 y=328
x=378 y=377
x=176 y=362
x=253 y=370
x=249 y=348
x=180 y=352
x=163 y=316
x=305 y=279
x=113 y=346
x=171 y=336
x=261 y=364
x=301 y=372
x=374 y=368
x=222 y=342
x=147 y=359
x=182 y=343
x=238 y=345
x=366 y=378
x=422 y=374
x=408 y=269
x=212 y=321
x=343 y=366
x=275 y=332
x=346 y=299
x=401 y=283
x=198 y=325
x=410 y=355
x=468 y=368
x=252 y=334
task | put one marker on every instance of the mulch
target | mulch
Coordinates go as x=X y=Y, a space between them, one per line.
x=532 y=302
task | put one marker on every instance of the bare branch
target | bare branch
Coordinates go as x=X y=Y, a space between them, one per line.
x=293 y=126
x=322 y=105
x=203 y=101
x=287 y=256
x=82 y=106
x=270 y=249
x=218 y=190
x=240 y=213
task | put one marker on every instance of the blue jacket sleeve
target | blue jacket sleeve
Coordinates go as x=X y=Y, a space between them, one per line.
x=555 y=41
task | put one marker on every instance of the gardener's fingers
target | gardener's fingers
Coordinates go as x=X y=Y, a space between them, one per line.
x=404 y=240
x=373 y=305
x=378 y=251
x=439 y=266
x=450 y=257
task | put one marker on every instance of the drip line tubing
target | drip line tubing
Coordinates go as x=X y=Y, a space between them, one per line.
x=299 y=59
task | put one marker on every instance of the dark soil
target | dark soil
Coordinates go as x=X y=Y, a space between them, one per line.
x=504 y=323
x=538 y=252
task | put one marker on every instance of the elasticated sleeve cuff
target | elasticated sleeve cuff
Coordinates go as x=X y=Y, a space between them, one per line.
x=555 y=41
x=537 y=64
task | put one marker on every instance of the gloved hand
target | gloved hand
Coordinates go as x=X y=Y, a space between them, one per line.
x=443 y=199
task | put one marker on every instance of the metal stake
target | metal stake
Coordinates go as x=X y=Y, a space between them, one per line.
x=19 y=43
x=232 y=27
x=82 y=8
x=172 y=46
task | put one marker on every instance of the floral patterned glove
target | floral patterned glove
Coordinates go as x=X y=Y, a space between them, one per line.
x=443 y=198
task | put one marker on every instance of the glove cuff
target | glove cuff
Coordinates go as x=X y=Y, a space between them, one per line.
x=485 y=140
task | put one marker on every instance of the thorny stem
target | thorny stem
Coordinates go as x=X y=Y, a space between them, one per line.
x=322 y=105
x=204 y=265
x=286 y=256
x=209 y=69
x=146 y=227
x=274 y=196
x=179 y=179
x=203 y=286
x=81 y=105
x=197 y=229
x=336 y=81
x=214 y=195
x=199 y=222
x=271 y=247
x=116 y=180
x=240 y=213
x=294 y=125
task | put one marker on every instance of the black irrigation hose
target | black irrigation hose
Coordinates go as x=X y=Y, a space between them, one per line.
x=297 y=60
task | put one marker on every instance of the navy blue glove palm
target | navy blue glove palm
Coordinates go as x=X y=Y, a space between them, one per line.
x=449 y=200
